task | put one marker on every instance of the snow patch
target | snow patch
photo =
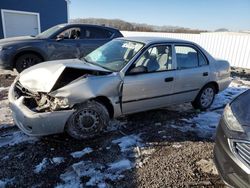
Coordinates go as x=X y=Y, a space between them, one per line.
x=121 y=165
x=4 y=182
x=41 y=166
x=5 y=157
x=13 y=138
x=5 y=113
x=70 y=180
x=204 y=124
x=57 y=160
x=128 y=142
x=96 y=172
x=79 y=154
x=228 y=95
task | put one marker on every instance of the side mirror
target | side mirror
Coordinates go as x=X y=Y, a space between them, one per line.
x=138 y=70
x=59 y=38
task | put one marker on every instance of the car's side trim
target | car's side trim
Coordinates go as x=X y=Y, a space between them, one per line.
x=159 y=96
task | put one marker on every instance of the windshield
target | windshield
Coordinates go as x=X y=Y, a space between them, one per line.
x=47 y=33
x=114 y=55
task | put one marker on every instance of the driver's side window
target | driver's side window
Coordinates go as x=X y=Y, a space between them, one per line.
x=71 y=33
x=156 y=58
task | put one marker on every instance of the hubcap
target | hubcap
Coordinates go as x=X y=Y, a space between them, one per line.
x=87 y=120
x=207 y=97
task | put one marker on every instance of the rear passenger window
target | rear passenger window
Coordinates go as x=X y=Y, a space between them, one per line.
x=96 y=33
x=186 y=57
x=202 y=60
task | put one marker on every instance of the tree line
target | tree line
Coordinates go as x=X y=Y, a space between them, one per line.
x=127 y=26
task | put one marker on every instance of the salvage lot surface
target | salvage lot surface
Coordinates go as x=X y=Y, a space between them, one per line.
x=171 y=147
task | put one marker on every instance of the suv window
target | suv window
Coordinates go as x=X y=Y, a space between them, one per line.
x=96 y=33
x=188 y=57
x=71 y=33
x=157 y=58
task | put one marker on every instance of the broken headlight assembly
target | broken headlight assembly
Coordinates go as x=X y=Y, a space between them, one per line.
x=60 y=103
x=47 y=103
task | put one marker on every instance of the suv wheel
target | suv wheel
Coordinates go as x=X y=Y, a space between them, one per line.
x=27 y=60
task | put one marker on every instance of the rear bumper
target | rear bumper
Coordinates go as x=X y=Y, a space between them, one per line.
x=230 y=167
x=224 y=83
x=34 y=123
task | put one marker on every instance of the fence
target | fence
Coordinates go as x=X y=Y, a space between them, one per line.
x=234 y=47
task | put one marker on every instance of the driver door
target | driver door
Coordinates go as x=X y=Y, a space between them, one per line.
x=66 y=45
x=151 y=89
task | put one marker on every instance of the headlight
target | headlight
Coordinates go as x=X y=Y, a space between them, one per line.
x=231 y=121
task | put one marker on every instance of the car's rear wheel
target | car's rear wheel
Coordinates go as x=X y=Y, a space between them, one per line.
x=27 y=60
x=205 y=97
x=87 y=121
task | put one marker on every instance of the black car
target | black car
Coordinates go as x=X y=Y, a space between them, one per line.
x=232 y=147
x=65 y=41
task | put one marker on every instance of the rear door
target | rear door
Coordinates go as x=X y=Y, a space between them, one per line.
x=151 y=89
x=192 y=72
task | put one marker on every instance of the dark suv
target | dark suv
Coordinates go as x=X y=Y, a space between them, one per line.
x=63 y=41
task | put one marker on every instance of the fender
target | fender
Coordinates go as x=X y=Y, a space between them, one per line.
x=29 y=49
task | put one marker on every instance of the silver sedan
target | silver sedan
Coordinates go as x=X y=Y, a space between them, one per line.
x=124 y=76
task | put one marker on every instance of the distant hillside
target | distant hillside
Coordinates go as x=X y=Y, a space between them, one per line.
x=127 y=26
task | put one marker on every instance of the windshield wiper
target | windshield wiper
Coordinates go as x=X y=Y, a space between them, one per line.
x=85 y=59
x=96 y=64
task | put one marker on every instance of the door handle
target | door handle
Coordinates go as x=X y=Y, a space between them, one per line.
x=169 y=79
x=205 y=73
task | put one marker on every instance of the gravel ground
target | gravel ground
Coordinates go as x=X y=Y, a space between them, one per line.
x=171 y=147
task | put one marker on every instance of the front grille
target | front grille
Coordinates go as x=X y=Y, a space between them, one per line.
x=243 y=150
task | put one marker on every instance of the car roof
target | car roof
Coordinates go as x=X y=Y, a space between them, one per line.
x=90 y=25
x=152 y=40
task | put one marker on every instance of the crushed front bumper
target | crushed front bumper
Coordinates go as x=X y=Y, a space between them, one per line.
x=35 y=123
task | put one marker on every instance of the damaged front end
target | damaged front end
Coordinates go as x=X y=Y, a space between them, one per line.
x=39 y=101
x=43 y=98
x=33 y=111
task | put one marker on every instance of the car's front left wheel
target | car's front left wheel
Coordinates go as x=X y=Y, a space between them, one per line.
x=205 y=97
x=88 y=120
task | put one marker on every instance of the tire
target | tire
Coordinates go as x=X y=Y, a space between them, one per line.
x=87 y=121
x=27 y=60
x=205 y=98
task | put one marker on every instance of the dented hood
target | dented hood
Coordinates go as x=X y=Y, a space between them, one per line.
x=42 y=77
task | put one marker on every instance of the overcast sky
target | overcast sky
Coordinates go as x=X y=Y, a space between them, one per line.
x=195 y=14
